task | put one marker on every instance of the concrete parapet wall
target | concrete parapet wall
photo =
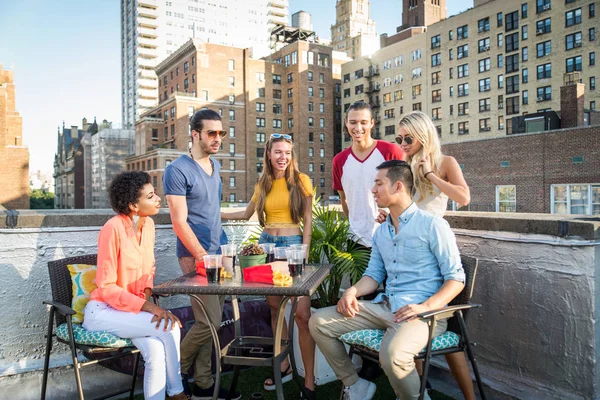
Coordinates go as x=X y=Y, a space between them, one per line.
x=537 y=332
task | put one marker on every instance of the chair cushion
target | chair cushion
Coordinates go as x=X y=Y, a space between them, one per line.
x=88 y=338
x=83 y=279
x=371 y=338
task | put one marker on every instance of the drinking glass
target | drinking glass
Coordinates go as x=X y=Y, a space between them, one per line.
x=213 y=265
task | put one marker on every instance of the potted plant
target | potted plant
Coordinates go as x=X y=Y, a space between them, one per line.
x=330 y=244
x=251 y=255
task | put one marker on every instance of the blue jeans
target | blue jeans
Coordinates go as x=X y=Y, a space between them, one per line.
x=280 y=241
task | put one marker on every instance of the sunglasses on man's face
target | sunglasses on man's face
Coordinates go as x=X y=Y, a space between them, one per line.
x=281 y=136
x=213 y=134
x=405 y=139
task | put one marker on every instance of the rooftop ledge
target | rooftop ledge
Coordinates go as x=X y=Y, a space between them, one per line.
x=573 y=226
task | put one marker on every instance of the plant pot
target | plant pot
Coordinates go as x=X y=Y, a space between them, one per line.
x=250 y=261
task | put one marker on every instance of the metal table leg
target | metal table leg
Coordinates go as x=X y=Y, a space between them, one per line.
x=238 y=352
x=217 y=345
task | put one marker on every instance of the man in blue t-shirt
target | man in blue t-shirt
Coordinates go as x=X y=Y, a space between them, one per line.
x=192 y=186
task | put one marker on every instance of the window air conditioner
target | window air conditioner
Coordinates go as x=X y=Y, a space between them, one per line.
x=540 y=98
x=546 y=6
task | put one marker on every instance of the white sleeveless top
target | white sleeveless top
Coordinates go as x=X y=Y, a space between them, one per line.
x=435 y=203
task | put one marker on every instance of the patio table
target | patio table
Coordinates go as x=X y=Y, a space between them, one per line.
x=194 y=285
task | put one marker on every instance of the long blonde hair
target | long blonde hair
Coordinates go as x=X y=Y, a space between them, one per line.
x=418 y=125
x=292 y=177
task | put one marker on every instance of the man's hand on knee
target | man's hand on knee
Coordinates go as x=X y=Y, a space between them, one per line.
x=348 y=304
x=410 y=312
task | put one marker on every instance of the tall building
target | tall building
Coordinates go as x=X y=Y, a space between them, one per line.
x=151 y=30
x=473 y=73
x=354 y=31
x=296 y=91
x=14 y=169
x=109 y=149
x=69 y=165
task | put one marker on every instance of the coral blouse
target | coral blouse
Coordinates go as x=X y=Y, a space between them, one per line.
x=125 y=268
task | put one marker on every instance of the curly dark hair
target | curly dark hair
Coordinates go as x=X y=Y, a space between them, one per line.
x=125 y=189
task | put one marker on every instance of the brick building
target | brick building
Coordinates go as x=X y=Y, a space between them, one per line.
x=72 y=155
x=296 y=90
x=14 y=169
x=473 y=72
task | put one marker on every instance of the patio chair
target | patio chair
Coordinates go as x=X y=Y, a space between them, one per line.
x=367 y=342
x=92 y=344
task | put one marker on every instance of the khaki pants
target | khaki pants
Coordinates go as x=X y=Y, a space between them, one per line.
x=197 y=345
x=400 y=344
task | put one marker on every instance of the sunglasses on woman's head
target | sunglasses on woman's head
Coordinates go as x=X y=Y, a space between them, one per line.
x=405 y=139
x=213 y=134
x=281 y=136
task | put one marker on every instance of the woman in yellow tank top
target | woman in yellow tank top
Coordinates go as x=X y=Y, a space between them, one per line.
x=282 y=198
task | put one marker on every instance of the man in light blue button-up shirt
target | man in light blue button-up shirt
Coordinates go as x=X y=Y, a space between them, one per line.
x=416 y=254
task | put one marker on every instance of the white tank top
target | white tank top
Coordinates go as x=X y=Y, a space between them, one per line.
x=435 y=203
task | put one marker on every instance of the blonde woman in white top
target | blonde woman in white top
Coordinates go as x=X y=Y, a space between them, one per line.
x=437 y=178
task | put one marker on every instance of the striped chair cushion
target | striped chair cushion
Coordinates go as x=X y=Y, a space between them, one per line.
x=371 y=338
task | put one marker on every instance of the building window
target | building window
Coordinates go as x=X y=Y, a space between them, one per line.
x=573 y=64
x=592 y=34
x=592 y=10
x=390 y=130
x=232 y=115
x=512 y=63
x=463 y=70
x=524 y=54
x=463 y=89
x=232 y=132
x=260 y=92
x=512 y=84
x=231 y=81
x=483 y=25
x=485 y=65
x=277 y=79
x=499 y=20
x=484 y=125
x=506 y=198
x=543 y=26
x=485 y=85
x=436 y=78
x=544 y=71
x=525 y=97
x=512 y=42
x=462 y=51
x=483 y=45
x=463 y=128
x=311 y=152
x=321 y=122
x=462 y=32
x=290 y=92
x=575 y=199
x=512 y=105
x=544 y=93
x=499 y=40
x=290 y=77
x=524 y=10
x=321 y=93
x=573 y=17
x=592 y=83
x=260 y=137
x=311 y=122
x=321 y=107
x=232 y=165
x=232 y=181
x=322 y=153
x=436 y=114
x=544 y=49
x=322 y=137
x=310 y=106
x=525 y=75
x=290 y=123
x=260 y=122
x=436 y=59
x=276 y=93
x=542 y=5
x=512 y=21
x=436 y=96
x=232 y=148
x=572 y=41
x=463 y=109
x=485 y=105
x=500 y=60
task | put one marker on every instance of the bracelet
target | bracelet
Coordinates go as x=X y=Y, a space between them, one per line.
x=430 y=172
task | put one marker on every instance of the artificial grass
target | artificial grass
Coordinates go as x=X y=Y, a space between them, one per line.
x=251 y=380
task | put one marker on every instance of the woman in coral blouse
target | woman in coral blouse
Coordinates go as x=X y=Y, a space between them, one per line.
x=125 y=273
x=282 y=199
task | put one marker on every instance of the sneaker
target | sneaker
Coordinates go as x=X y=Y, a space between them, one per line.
x=207 y=394
x=361 y=390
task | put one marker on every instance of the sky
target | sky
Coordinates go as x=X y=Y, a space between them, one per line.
x=66 y=60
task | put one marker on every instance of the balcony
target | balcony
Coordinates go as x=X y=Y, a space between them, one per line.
x=372 y=72
x=520 y=257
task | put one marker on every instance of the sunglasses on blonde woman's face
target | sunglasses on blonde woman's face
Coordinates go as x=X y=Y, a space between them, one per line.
x=281 y=136
x=405 y=139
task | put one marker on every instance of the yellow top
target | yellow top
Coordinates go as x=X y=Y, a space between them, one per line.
x=277 y=203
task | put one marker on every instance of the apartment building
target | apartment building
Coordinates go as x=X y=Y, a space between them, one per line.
x=296 y=91
x=354 y=31
x=14 y=171
x=151 y=30
x=477 y=70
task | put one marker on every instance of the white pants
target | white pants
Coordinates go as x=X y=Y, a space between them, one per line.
x=160 y=349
